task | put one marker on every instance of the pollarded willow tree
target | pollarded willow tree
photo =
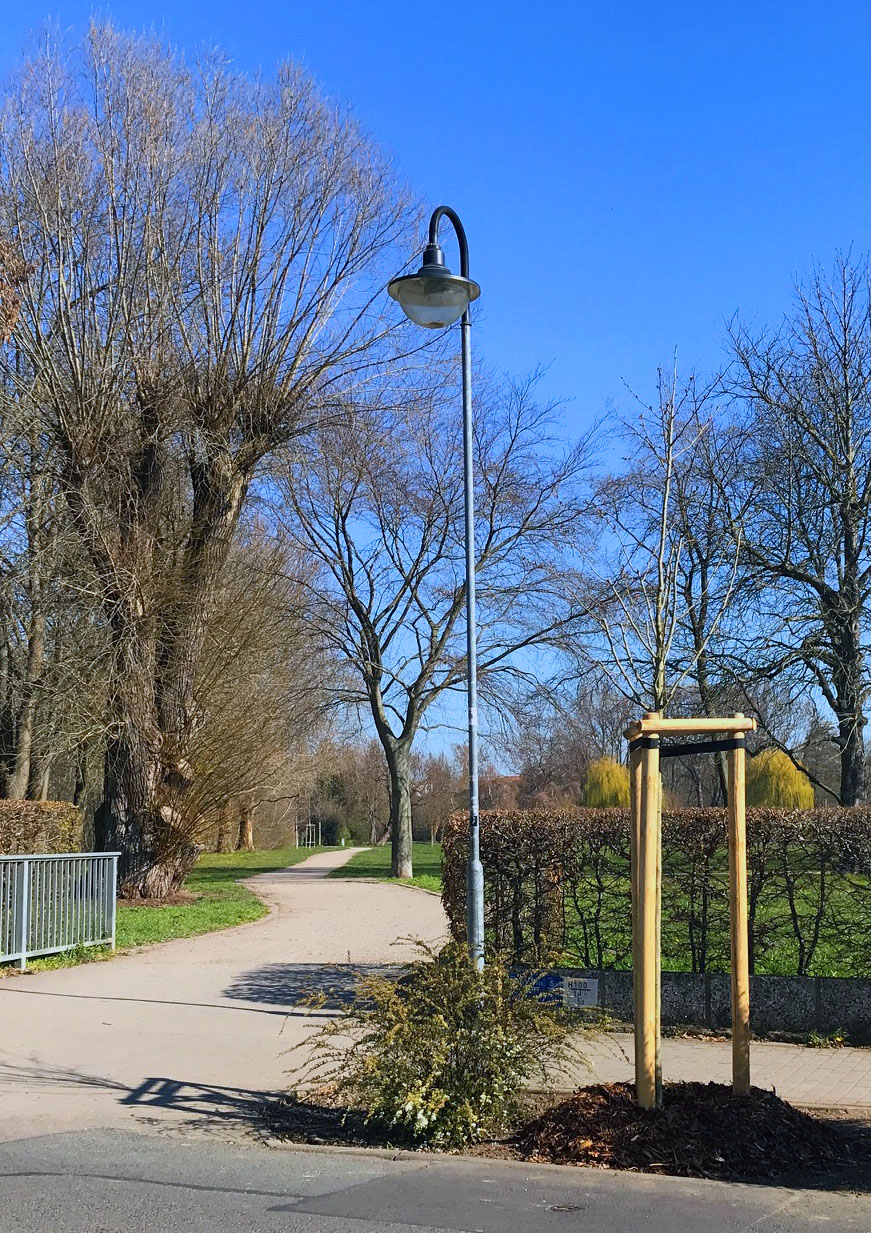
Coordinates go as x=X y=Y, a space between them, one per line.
x=202 y=250
x=378 y=501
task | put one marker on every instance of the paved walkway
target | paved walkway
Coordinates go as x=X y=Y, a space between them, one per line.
x=192 y=1035
x=817 y=1078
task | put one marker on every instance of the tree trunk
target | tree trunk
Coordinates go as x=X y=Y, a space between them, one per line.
x=399 y=765
x=245 y=842
x=19 y=779
x=223 y=841
x=40 y=779
x=138 y=816
x=128 y=820
x=849 y=696
x=147 y=772
x=7 y=721
x=80 y=785
x=379 y=833
x=851 y=742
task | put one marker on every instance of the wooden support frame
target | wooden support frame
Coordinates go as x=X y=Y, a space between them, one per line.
x=738 y=928
x=635 y=770
x=646 y=888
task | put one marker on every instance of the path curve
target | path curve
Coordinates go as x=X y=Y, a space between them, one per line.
x=192 y=1034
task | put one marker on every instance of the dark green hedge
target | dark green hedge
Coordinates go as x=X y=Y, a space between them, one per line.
x=39 y=826
x=557 y=888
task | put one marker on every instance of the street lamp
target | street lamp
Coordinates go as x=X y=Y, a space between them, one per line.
x=435 y=298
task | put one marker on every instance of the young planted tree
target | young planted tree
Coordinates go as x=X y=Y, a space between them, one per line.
x=378 y=501
x=667 y=577
x=203 y=250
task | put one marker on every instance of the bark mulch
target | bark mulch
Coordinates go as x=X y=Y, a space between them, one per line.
x=702 y=1130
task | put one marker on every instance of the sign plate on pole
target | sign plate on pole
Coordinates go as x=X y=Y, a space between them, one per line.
x=580 y=991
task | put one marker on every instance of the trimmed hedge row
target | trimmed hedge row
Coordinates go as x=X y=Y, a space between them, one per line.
x=39 y=826
x=557 y=888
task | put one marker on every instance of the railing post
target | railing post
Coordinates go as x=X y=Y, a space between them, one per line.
x=22 y=894
x=113 y=895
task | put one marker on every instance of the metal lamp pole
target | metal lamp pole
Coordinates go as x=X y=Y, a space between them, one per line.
x=435 y=298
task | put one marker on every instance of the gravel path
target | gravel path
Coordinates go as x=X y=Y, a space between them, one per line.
x=192 y=1034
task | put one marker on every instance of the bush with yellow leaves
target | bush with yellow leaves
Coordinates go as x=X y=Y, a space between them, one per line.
x=442 y=1053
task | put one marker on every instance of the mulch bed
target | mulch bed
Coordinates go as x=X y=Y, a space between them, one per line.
x=702 y=1130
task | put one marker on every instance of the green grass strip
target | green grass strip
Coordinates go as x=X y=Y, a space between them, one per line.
x=426 y=861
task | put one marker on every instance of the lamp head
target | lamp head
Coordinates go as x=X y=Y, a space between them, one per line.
x=433 y=297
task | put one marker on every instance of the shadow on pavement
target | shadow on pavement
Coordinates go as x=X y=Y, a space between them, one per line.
x=203 y=1106
x=203 y=1103
x=290 y=984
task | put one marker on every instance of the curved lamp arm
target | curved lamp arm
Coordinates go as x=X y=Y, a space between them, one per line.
x=438 y=214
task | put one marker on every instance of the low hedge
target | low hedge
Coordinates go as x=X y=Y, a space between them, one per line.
x=557 y=888
x=39 y=826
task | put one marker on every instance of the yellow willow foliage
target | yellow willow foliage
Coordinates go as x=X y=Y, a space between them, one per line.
x=607 y=785
x=774 y=779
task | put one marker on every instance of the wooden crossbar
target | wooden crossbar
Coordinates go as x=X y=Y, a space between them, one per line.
x=656 y=725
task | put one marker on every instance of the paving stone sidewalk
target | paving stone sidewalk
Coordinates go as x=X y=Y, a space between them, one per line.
x=817 y=1078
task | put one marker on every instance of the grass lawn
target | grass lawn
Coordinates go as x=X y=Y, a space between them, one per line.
x=426 y=861
x=221 y=901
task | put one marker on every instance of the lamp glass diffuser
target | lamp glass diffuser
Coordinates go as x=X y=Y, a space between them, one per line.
x=434 y=299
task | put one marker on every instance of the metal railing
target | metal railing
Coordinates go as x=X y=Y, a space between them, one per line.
x=54 y=903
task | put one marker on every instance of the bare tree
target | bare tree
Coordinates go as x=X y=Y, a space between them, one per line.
x=367 y=789
x=262 y=689
x=204 y=249
x=437 y=790
x=801 y=501
x=378 y=502
x=666 y=579
x=53 y=649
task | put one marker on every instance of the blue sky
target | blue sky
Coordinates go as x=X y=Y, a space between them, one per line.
x=630 y=174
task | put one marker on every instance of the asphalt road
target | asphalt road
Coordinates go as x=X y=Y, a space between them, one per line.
x=119 y=1181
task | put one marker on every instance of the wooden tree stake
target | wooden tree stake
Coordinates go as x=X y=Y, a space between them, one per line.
x=646 y=1025
x=658 y=942
x=635 y=772
x=738 y=922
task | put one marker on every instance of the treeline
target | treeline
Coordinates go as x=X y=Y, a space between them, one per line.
x=231 y=507
x=189 y=258
x=732 y=570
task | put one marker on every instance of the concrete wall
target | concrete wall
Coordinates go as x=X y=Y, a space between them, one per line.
x=794 y=1004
